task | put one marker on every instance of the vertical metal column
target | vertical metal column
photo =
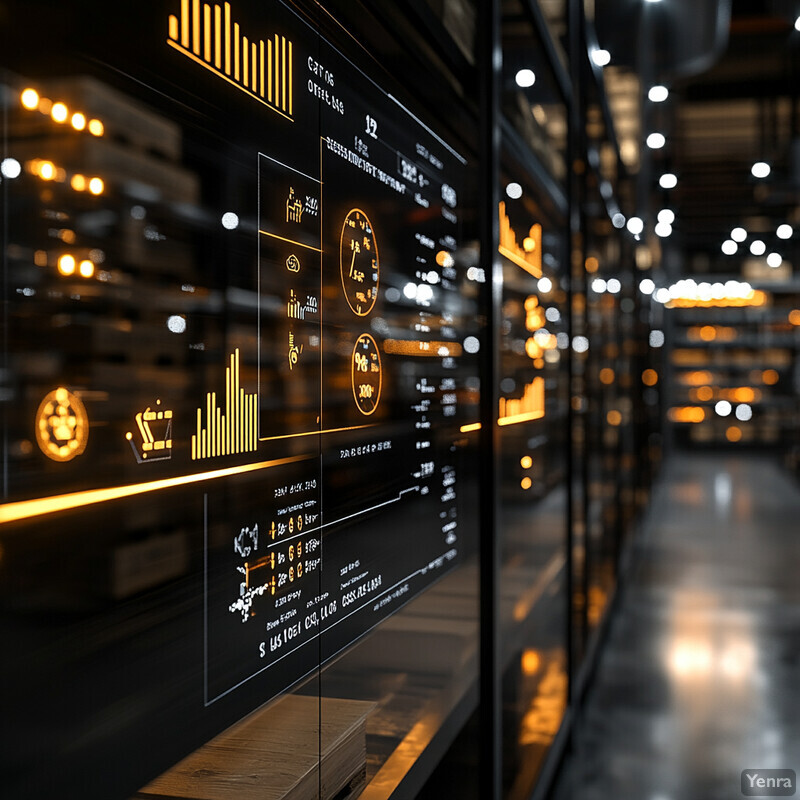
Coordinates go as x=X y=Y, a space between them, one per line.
x=575 y=151
x=489 y=68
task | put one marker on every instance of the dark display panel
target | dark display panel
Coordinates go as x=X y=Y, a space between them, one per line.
x=234 y=367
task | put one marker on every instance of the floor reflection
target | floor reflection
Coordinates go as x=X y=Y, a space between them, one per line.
x=698 y=678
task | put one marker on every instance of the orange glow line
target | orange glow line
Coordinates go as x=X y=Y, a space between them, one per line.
x=261 y=67
x=269 y=71
x=185 y=23
x=515 y=419
x=173 y=27
x=207 y=31
x=227 y=38
x=245 y=63
x=196 y=26
x=219 y=74
x=474 y=426
x=217 y=37
x=315 y=433
x=291 y=241
x=290 y=77
x=26 y=509
x=520 y=262
x=236 y=53
x=283 y=72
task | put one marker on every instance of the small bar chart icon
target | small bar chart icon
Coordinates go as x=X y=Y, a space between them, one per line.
x=529 y=255
x=209 y=36
x=530 y=406
x=233 y=429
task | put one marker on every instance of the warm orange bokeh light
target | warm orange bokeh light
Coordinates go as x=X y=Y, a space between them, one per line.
x=78 y=121
x=733 y=434
x=526 y=482
x=794 y=316
x=59 y=112
x=96 y=127
x=692 y=414
x=744 y=394
x=614 y=418
x=526 y=462
x=606 y=376
x=708 y=333
x=705 y=393
x=770 y=377
x=649 y=377
x=530 y=662
x=78 y=183
x=29 y=99
x=66 y=264
x=86 y=268
x=96 y=186
x=592 y=264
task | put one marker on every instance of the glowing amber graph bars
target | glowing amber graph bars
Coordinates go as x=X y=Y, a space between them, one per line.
x=229 y=430
x=529 y=255
x=529 y=406
x=209 y=36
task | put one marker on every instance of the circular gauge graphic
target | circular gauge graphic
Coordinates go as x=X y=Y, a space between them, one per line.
x=365 y=374
x=62 y=427
x=358 y=262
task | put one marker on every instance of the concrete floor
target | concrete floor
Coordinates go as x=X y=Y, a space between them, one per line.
x=700 y=676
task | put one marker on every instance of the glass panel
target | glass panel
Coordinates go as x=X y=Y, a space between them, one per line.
x=533 y=489
x=240 y=353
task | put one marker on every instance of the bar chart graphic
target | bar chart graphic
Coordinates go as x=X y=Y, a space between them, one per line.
x=529 y=406
x=262 y=68
x=229 y=430
x=528 y=256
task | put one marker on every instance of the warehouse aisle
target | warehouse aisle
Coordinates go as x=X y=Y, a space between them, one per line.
x=699 y=677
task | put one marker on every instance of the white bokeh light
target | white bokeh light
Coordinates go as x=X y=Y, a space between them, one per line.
x=177 y=323
x=757 y=247
x=525 y=78
x=668 y=180
x=658 y=94
x=729 y=247
x=10 y=168
x=230 y=221
x=723 y=408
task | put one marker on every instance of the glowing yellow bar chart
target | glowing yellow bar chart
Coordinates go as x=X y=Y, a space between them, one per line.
x=231 y=430
x=529 y=406
x=529 y=255
x=209 y=36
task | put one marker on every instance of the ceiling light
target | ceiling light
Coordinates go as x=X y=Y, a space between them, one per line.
x=729 y=247
x=514 y=191
x=655 y=141
x=598 y=285
x=666 y=215
x=663 y=229
x=613 y=286
x=784 y=231
x=757 y=247
x=601 y=57
x=618 y=220
x=635 y=225
x=760 y=169
x=525 y=78
x=658 y=94
x=544 y=285
x=668 y=181
x=774 y=260
x=738 y=234
x=797 y=24
x=10 y=168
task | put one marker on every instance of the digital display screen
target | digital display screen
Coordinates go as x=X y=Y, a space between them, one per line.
x=234 y=375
